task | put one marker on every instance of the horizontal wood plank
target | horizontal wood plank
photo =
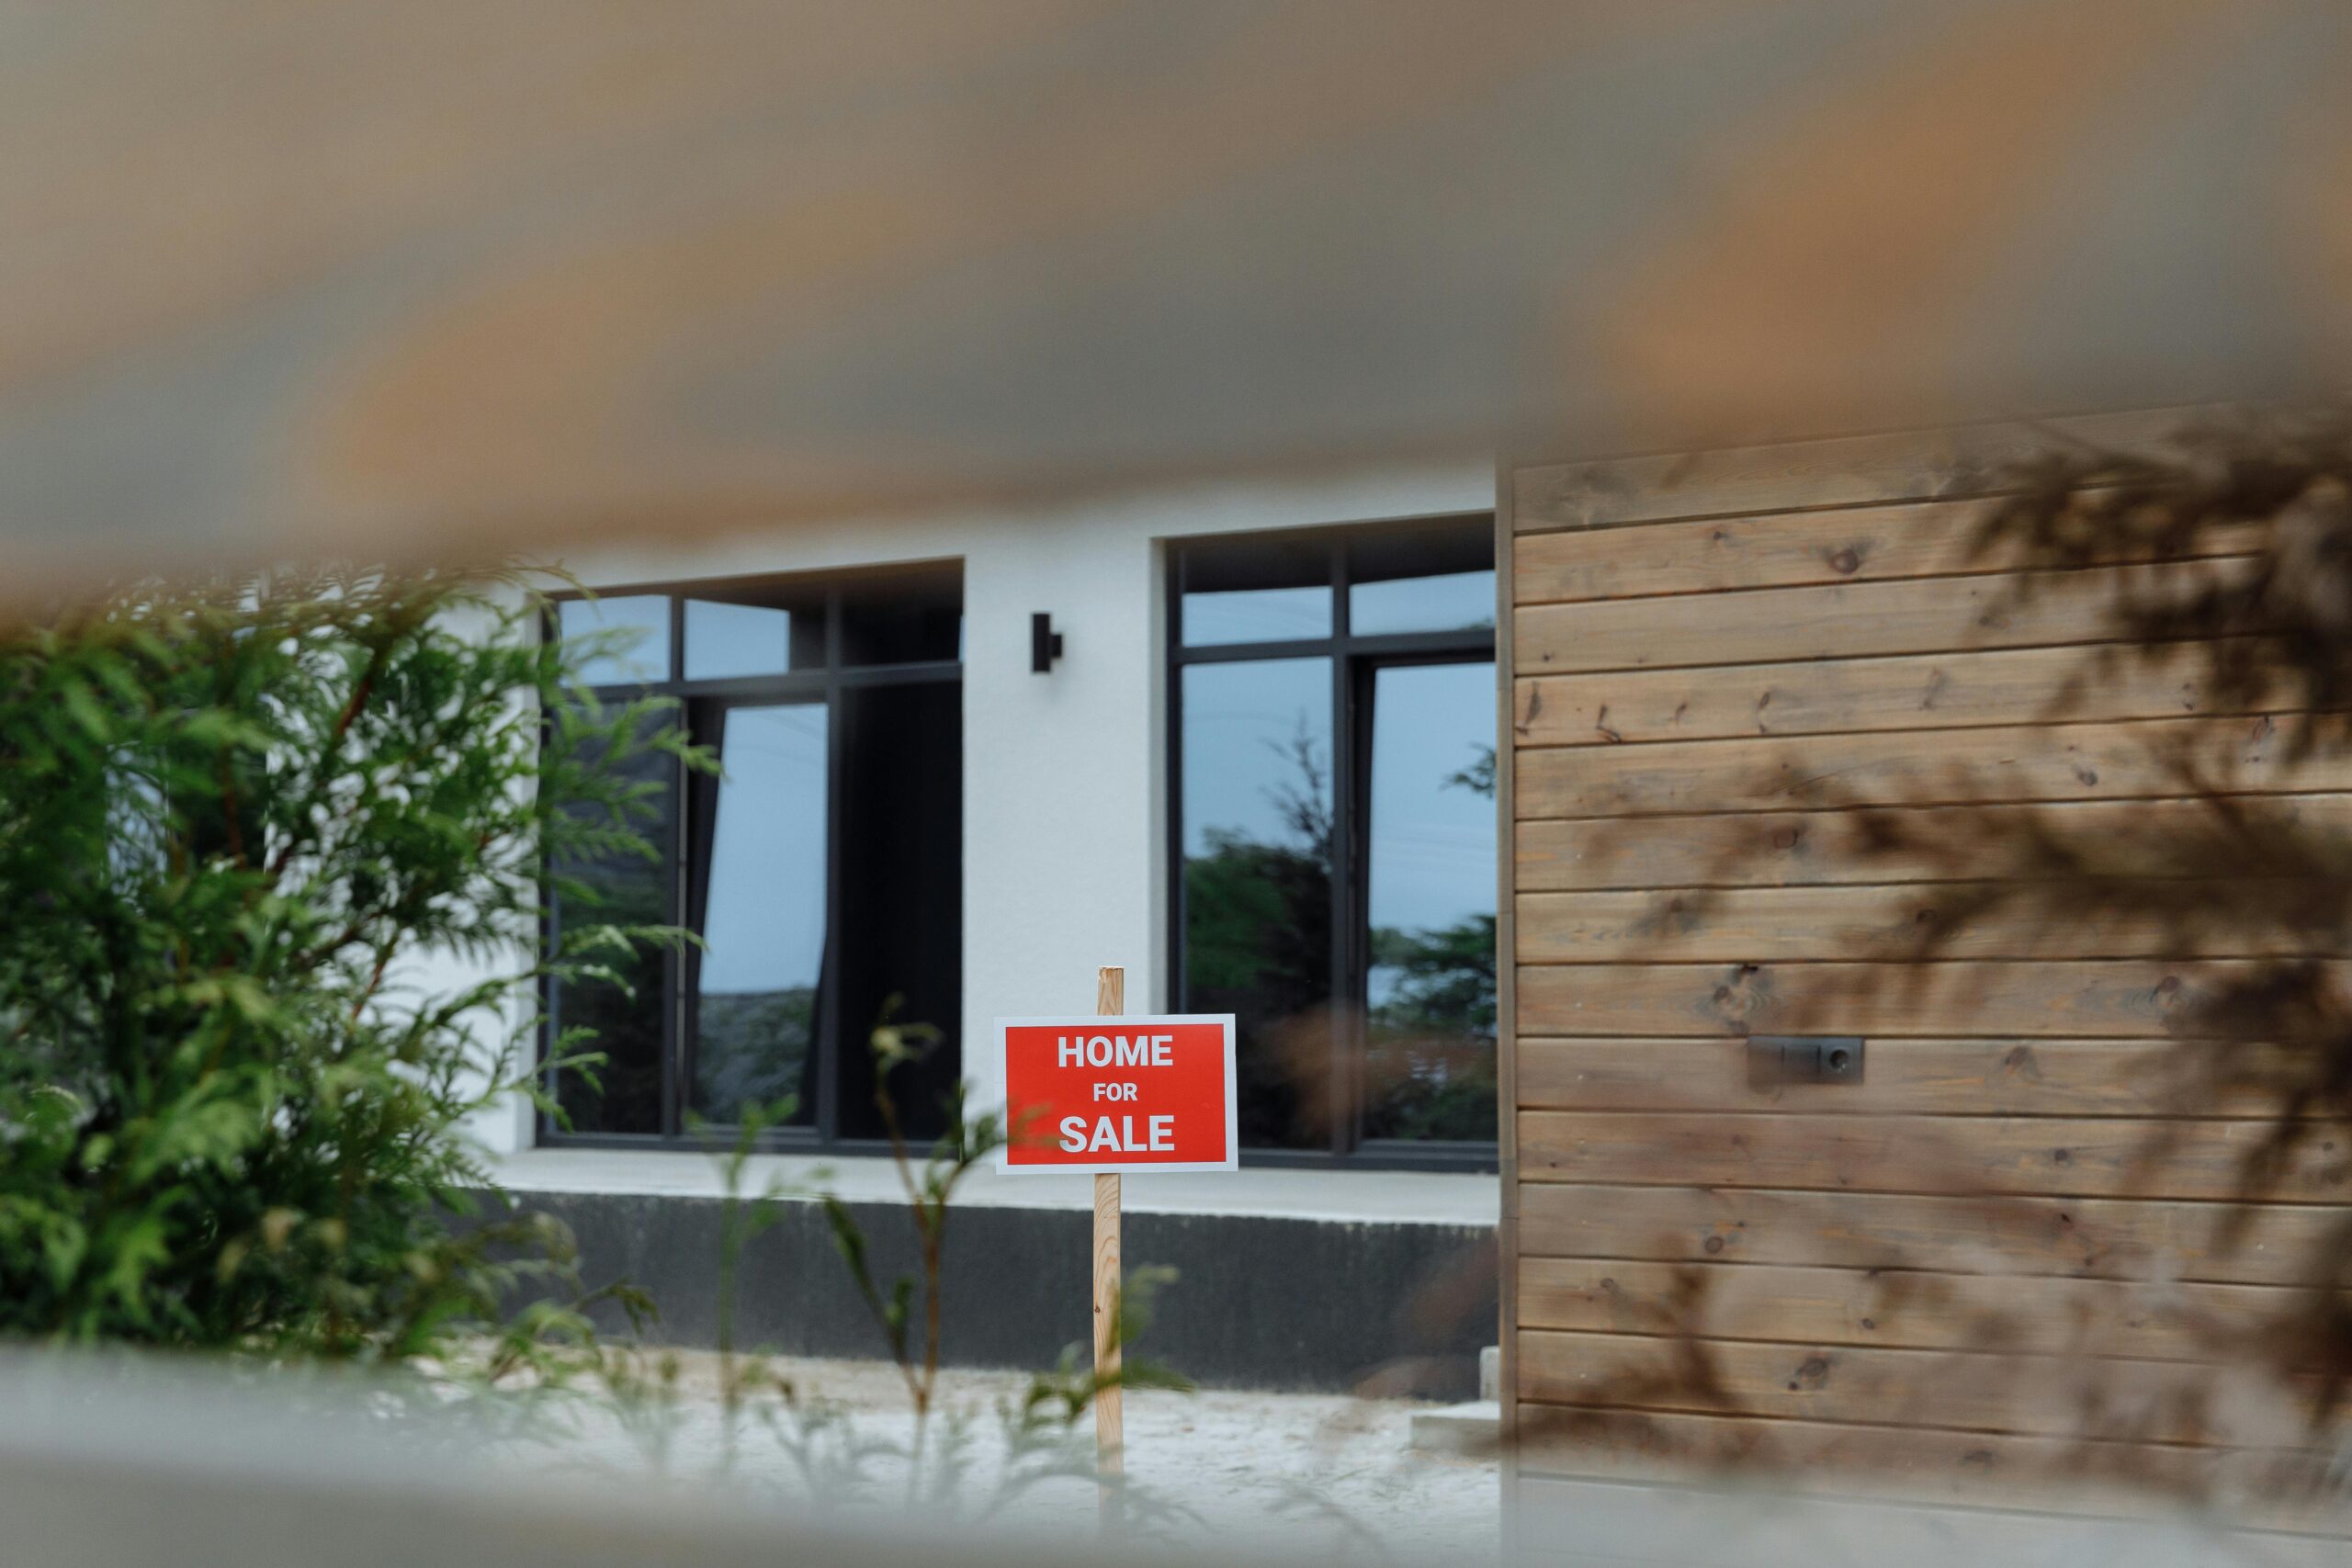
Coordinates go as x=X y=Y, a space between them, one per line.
x=1847 y=471
x=1839 y=471
x=1958 y=1078
x=1853 y=620
x=1828 y=848
x=2107 y=999
x=1898 y=1308
x=1939 y=921
x=2032 y=763
x=2056 y=1396
x=2037 y=685
x=1774 y=550
x=2092 y=1237
x=2059 y=1157
x=1782 y=549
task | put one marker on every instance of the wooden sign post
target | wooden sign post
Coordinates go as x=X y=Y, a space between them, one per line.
x=1148 y=1093
x=1110 y=1410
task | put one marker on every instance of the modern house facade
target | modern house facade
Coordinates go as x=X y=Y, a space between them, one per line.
x=1257 y=773
x=1896 y=1215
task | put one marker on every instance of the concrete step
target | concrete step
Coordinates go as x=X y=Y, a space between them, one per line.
x=1472 y=1429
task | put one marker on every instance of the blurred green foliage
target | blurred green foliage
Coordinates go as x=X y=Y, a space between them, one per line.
x=272 y=854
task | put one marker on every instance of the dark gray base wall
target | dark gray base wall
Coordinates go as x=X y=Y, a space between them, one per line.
x=1258 y=1302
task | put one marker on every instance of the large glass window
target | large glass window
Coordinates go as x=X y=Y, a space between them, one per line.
x=1430 y=896
x=757 y=875
x=626 y=1016
x=1257 y=879
x=1334 y=816
x=821 y=868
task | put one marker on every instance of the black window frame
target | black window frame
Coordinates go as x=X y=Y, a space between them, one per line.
x=1355 y=661
x=822 y=684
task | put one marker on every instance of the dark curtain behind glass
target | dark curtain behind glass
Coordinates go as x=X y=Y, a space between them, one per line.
x=901 y=894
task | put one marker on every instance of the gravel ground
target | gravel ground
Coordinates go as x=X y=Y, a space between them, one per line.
x=1323 y=1474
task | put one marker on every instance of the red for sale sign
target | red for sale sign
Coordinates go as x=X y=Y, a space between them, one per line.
x=1119 y=1093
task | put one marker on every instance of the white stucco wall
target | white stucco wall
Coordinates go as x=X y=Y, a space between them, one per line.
x=1064 y=774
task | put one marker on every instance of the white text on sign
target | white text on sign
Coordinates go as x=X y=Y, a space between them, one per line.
x=1111 y=1093
x=1116 y=1051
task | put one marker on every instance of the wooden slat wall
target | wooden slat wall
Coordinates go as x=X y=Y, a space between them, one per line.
x=1944 y=1266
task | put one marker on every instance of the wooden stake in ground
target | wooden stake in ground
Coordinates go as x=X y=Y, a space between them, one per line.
x=1110 y=1000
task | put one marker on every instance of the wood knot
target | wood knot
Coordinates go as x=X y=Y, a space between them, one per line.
x=1845 y=562
x=1812 y=1373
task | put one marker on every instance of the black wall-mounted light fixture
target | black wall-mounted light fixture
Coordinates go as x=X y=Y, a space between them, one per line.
x=1044 y=643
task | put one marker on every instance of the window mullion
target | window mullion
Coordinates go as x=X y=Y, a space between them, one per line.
x=673 y=959
x=832 y=1038
x=674 y=1020
x=1179 y=990
x=1345 y=1116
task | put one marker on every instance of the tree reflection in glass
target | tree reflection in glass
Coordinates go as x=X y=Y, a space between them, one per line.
x=1429 y=1003
x=1258 y=847
x=622 y=1014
